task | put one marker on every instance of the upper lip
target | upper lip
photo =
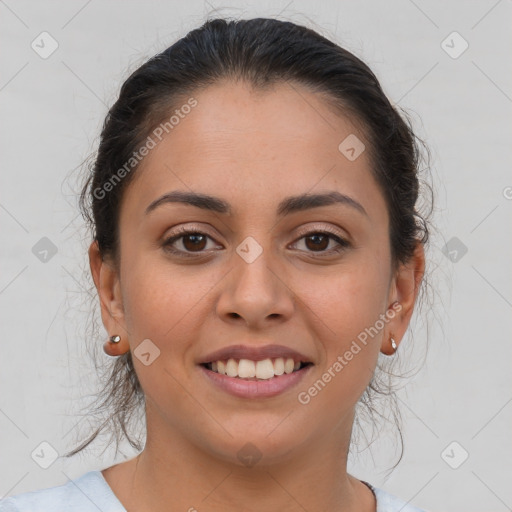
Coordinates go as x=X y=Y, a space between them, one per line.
x=254 y=353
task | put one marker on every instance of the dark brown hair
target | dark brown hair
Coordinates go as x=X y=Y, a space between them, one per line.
x=261 y=52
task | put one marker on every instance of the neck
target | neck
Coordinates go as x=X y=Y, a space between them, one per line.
x=171 y=469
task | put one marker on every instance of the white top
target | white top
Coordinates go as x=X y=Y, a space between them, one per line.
x=91 y=492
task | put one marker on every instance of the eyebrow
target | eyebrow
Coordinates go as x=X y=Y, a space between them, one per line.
x=287 y=206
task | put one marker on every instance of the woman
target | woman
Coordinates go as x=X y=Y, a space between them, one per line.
x=256 y=247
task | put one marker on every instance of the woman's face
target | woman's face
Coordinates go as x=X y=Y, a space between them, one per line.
x=262 y=271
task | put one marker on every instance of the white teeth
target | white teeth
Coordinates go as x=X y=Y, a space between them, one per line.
x=263 y=370
x=232 y=368
x=288 y=365
x=279 y=366
x=247 y=369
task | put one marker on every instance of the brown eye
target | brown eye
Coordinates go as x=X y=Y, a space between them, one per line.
x=187 y=243
x=317 y=241
x=194 y=242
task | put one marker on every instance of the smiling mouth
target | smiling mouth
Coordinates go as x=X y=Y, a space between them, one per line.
x=264 y=369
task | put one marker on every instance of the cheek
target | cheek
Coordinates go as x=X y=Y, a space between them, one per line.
x=162 y=302
x=349 y=300
x=347 y=324
x=348 y=310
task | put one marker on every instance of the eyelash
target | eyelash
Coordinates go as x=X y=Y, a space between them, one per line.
x=182 y=232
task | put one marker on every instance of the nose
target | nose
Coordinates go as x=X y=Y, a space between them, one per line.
x=256 y=293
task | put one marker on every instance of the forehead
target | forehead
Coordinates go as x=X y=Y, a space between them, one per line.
x=245 y=145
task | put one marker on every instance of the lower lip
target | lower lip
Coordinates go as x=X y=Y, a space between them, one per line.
x=256 y=388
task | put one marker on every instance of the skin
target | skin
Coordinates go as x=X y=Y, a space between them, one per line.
x=252 y=149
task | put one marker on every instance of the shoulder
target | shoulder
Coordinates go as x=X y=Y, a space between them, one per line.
x=90 y=492
x=387 y=502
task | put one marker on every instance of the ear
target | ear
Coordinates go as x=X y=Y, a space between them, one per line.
x=404 y=288
x=106 y=280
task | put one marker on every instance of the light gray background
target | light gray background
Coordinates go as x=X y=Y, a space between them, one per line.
x=52 y=110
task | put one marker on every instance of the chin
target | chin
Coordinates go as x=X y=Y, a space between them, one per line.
x=255 y=443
